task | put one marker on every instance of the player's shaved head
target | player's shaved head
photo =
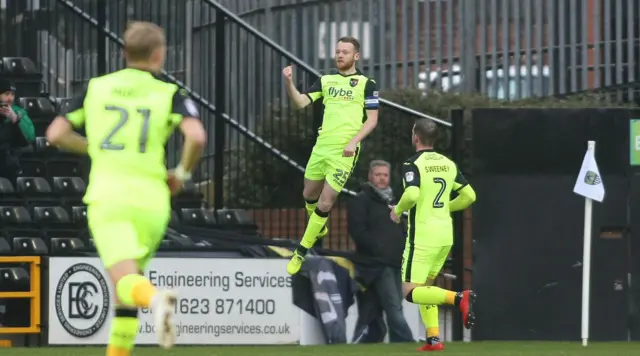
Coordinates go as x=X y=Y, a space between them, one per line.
x=426 y=132
x=142 y=39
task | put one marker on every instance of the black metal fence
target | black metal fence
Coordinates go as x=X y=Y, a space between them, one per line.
x=259 y=145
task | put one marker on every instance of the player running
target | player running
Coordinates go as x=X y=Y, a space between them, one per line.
x=347 y=97
x=128 y=117
x=429 y=178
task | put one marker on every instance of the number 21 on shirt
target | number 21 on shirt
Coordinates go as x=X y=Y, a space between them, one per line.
x=107 y=144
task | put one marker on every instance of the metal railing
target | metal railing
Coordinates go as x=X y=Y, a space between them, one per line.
x=74 y=40
x=270 y=189
x=503 y=48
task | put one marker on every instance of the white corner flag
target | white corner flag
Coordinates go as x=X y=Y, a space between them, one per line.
x=589 y=184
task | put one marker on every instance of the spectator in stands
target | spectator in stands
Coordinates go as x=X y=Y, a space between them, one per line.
x=382 y=241
x=16 y=131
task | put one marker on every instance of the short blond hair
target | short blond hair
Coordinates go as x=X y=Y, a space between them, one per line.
x=142 y=38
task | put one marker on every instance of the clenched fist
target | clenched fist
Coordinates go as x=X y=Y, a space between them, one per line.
x=287 y=73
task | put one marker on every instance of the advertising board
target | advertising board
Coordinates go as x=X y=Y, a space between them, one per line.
x=220 y=301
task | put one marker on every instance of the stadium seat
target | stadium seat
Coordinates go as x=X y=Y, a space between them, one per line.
x=32 y=186
x=197 y=216
x=38 y=107
x=65 y=244
x=69 y=186
x=233 y=216
x=29 y=246
x=14 y=279
x=188 y=199
x=41 y=125
x=47 y=215
x=32 y=168
x=79 y=215
x=6 y=188
x=5 y=248
x=15 y=66
x=175 y=219
x=64 y=168
x=43 y=146
x=14 y=215
x=8 y=195
x=62 y=104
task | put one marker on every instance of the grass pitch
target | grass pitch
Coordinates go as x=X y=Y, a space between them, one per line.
x=451 y=349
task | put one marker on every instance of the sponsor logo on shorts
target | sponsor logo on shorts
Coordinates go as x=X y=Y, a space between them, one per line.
x=82 y=300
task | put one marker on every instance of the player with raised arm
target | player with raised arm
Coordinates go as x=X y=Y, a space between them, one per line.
x=350 y=114
x=128 y=116
x=429 y=178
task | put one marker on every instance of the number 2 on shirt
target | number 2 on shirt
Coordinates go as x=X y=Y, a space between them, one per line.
x=124 y=118
x=443 y=185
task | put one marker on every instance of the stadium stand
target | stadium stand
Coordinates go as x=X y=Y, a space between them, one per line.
x=42 y=212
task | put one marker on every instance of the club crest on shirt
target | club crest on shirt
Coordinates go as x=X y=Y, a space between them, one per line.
x=353 y=82
x=408 y=176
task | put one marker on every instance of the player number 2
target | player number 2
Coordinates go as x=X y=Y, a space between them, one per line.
x=124 y=118
x=437 y=203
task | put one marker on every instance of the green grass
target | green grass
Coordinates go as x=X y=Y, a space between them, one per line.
x=452 y=349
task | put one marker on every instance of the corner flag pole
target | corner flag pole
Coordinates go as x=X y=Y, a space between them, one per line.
x=586 y=259
x=586 y=269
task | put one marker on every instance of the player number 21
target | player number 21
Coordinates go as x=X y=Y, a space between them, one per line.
x=124 y=118
x=437 y=203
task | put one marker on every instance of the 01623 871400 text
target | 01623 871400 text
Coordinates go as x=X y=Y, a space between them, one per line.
x=248 y=301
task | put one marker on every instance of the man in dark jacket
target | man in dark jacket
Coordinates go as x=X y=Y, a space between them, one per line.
x=16 y=131
x=381 y=240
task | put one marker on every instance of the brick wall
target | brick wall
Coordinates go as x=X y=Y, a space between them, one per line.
x=290 y=223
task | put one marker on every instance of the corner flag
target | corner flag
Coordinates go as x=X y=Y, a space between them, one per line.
x=589 y=183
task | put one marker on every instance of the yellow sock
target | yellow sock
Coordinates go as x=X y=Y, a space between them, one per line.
x=432 y=296
x=135 y=290
x=310 y=206
x=429 y=314
x=316 y=223
x=124 y=328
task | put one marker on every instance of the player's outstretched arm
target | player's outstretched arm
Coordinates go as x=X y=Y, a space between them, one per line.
x=466 y=197
x=185 y=112
x=60 y=134
x=195 y=138
x=298 y=99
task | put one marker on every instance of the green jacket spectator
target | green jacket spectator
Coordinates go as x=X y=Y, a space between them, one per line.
x=16 y=131
x=24 y=125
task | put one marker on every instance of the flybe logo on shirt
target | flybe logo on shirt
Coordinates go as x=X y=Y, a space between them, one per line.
x=340 y=93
